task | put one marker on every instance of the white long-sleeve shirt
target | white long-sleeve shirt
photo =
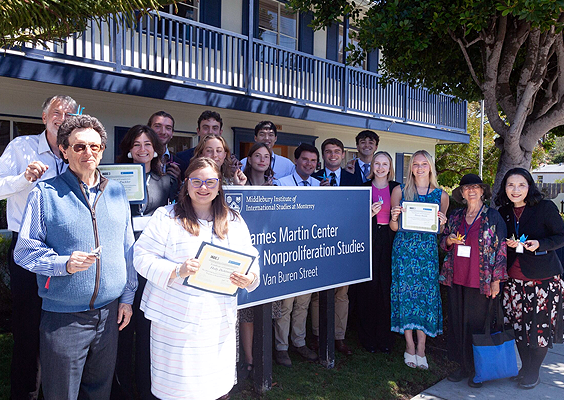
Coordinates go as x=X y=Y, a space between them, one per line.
x=19 y=153
x=164 y=244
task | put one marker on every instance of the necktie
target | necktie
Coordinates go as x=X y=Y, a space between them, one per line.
x=165 y=159
x=366 y=168
x=305 y=183
x=333 y=181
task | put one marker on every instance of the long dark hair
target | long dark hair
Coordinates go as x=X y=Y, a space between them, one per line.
x=220 y=211
x=127 y=144
x=534 y=196
x=248 y=169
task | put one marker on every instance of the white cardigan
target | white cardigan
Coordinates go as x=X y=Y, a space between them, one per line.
x=164 y=244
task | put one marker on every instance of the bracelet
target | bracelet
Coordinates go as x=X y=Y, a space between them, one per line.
x=178 y=270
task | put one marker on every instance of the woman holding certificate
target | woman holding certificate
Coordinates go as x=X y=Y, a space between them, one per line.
x=141 y=145
x=373 y=297
x=415 y=297
x=533 y=294
x=476 y=260
x=192 y=330
x=216 y=148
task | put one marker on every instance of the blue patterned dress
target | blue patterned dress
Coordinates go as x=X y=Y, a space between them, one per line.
x=415 y=296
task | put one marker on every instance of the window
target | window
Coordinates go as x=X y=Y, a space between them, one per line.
x=184 y=9
x=9 y=129
x=539 y=179
x=354 y=41
x=277 y=25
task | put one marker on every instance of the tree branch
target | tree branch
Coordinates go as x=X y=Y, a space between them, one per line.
x=466 y=57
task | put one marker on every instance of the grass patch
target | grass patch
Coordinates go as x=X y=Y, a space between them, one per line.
x=6 y=344
x=360 y=376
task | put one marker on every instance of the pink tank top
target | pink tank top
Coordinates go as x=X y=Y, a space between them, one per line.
x=382 y=195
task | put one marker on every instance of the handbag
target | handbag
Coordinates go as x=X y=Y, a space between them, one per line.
x=494 y=353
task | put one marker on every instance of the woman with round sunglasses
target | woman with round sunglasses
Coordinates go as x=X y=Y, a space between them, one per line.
x=216 y=148
x=193 y=347
x=533 y=294
x=141 y=145
x=474 y=266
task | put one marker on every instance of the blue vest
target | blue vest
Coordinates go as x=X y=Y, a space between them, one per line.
x=72 y=226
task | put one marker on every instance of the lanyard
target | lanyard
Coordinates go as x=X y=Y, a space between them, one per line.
x=426 y=194
x=273 y=161
x=466 y=227
x=296 y=182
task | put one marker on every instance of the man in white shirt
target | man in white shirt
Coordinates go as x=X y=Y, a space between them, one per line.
x=25 y=161
x=266 y=132
x=295 y=308
x=366 y=145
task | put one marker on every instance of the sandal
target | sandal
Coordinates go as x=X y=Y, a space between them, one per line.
x=410 y=360
x=421 y=362
x=245 y=371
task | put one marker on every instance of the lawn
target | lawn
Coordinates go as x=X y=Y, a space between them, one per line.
x=359 y=376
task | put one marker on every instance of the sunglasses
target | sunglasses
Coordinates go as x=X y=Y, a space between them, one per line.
x=94 y=148
x=198 y=183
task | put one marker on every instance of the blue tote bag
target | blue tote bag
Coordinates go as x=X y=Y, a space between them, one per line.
x=494 y=353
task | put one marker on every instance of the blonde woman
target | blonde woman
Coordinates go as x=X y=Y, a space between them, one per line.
x=415 y=297
x=373 y=297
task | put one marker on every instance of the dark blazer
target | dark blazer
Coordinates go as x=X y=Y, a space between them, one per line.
x=347 y=179
x=185 y=156
x=182 y=163
x=540 y=222
x=358 y=174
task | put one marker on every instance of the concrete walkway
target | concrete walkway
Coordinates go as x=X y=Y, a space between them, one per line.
x=551 y=386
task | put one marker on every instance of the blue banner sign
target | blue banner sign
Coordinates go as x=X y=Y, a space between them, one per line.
x=309 y=239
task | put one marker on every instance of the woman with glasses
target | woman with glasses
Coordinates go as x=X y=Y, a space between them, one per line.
x=141 y=145
x=415 y=297
x=476 y=260
x=192 y=331
x=533 y=294
x=215 y=147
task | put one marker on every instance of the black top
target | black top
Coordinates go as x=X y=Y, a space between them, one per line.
x=540 y=222
x=161 y=190
x=347 y=179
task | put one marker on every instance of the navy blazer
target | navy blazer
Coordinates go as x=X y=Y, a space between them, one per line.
x=540 y=222
x=358 y=173
x=347 y=179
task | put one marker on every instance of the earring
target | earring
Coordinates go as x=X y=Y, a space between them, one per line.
x=155 y=155
x=129 y=155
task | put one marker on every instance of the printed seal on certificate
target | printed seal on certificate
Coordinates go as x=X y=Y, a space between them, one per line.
x=419 y=217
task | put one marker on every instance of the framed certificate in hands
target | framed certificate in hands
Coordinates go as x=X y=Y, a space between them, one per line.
x=419 y=217
x=216 y=266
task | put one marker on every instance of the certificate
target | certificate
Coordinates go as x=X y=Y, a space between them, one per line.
x=216 y=265
x=131 y=176
x=420 y=217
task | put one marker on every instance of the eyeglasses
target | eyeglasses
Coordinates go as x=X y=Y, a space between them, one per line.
x=198 y=183
x=94 y=148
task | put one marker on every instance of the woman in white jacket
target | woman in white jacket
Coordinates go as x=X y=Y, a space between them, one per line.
x=192 y=330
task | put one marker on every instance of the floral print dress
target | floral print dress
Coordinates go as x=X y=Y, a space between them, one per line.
x=415 y=295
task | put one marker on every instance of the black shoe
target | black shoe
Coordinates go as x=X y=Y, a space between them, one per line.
x=518 y=377
x=525 y=385
x=384 y=349
x=458 y=375
x=370 y=349
x=473 y=384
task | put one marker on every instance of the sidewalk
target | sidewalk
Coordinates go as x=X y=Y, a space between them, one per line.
x=551 y=386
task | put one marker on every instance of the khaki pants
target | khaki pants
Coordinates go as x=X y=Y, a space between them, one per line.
x=294 y=309
x=341 y=312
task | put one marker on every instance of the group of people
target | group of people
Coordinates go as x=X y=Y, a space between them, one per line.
x=95 y=279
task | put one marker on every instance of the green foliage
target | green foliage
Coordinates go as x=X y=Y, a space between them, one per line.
x=453 y=161
x=40 y=21
x=558 y=158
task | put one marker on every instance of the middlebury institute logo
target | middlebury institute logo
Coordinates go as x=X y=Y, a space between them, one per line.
x=235 y=201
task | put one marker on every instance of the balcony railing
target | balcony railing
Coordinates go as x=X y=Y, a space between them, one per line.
x=194 y=53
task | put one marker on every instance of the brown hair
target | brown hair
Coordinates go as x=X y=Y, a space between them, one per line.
x=199 y=152
x=184 y=211
x=127 y=144
x=248 y=168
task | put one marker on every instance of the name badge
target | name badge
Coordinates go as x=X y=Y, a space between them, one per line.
x=519 y=248
x=139 y=223
x=463 y=251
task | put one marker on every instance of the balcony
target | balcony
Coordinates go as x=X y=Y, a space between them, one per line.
x=191 y=53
